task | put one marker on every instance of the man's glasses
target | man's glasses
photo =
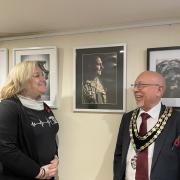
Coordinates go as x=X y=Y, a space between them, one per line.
x=142 y=85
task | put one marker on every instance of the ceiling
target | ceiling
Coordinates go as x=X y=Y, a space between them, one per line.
x=28 y=17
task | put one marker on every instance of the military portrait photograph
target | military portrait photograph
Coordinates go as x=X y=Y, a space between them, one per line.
x=100 y=79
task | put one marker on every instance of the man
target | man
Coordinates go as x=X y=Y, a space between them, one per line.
x=148 y=148
x=93 y=89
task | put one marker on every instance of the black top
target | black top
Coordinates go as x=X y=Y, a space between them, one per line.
x=27 y=139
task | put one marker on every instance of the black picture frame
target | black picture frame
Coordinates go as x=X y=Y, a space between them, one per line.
x=105 y=92
x=166 y=61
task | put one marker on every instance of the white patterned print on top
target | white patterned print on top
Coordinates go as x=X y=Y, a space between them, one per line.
x=51 y=120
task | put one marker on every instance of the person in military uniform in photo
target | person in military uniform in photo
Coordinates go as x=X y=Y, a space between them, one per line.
x=93 y=89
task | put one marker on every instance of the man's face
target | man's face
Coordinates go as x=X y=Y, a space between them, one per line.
x=147 y=91
x=99 y=66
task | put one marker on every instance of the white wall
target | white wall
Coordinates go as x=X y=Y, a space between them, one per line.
x=87 y=140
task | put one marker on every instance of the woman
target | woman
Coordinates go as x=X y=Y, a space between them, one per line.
x=28 y=128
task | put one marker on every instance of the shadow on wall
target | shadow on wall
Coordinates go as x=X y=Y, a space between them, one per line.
x=56 y=177
x=59 y=96
x=57 y=140
x=66 y=140
x=113 y=125
x=107 y=163
x=130 y=102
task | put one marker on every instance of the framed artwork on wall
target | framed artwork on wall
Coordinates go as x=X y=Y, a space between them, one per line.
x=100 y=78
x=48 y=56
x=3 y=65
x=166 y=61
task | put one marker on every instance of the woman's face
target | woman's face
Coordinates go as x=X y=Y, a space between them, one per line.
x=36 y=86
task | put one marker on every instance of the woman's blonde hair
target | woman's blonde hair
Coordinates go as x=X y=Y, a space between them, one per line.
x=17 y=79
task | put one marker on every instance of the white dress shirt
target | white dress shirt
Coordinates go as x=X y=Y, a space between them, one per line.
x=154 y=113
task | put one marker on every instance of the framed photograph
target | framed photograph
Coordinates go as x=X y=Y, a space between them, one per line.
x=3 y=65
x=48 y=56
x=100 y=78
x=166 y=60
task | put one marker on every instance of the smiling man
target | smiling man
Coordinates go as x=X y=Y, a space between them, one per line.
x=146 y=148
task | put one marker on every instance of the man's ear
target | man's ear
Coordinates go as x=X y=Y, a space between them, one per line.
x=161 y=90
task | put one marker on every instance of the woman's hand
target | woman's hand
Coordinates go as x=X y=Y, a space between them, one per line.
x=48 y=171
x=53 y=166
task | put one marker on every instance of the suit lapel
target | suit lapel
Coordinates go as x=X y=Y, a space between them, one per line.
x=160 y=140
x=126 y=146
x=126 y=141
x=127 y=138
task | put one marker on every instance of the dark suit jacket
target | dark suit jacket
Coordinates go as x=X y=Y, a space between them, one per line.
x=166 y=156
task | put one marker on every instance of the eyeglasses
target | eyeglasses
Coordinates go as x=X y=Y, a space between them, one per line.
x=38 y=75
x=142 y=85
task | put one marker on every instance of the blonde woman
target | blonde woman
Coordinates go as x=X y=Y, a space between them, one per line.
x=28 y=128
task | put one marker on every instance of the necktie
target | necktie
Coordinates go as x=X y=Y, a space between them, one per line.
x=142 y=157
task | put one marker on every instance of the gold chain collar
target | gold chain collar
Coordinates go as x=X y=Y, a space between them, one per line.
x=147 y=140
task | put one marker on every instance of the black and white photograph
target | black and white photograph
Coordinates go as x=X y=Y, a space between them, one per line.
x=47 y=56
x=3 y=65
x=166 y=61
x=100 y=79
